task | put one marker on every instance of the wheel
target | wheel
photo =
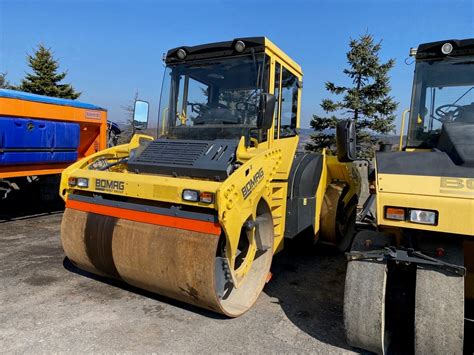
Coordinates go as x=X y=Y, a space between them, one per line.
x=364 y=296
x=181 y=264
x=396 y=307
x=337 y=221
x=439 y=305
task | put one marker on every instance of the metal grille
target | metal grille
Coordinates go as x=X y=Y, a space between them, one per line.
x=172 y=153
x=208 y=159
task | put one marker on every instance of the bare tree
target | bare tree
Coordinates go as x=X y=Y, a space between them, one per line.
x=129 y=130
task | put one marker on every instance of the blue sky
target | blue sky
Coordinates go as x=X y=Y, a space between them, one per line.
x=113 y=48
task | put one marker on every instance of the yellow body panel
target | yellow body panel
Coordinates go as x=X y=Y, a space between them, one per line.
x=234 y=208
x=455 y=206
x=288 y=146
x=143 y=186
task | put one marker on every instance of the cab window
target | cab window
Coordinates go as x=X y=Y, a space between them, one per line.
x=289 y=104
x=277 y=95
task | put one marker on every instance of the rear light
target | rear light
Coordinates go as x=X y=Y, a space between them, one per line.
x=82 y=182
x=395 y=213
x=412 y=215
x=72 y=181
x=191 y=195
x=196 y=196
x=423 y=217
x=206 y=197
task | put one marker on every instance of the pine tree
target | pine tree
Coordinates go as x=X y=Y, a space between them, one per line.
x=4 y=83
x=45 y=79
x=366 y=101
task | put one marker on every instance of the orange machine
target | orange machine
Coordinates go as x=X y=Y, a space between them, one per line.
x=41 y=135
x=34 y=128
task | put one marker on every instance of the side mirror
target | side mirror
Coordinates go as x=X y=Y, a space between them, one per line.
x=346 y=141
x=140 y=115
x=266 y=107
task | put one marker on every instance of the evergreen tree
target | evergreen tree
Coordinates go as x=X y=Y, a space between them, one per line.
x=4 y=83
x=366 y=101
x=45 y=79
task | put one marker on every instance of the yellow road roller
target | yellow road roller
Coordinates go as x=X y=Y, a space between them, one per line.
x=410 y=283
x=198 y=213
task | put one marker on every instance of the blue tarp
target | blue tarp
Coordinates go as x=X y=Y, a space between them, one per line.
x=13 y=94
x=30 y=141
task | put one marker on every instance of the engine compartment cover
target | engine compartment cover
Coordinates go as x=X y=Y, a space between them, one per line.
x=192 y=158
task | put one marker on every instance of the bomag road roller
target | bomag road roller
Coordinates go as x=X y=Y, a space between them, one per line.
x=198 y=213
x=408 y=280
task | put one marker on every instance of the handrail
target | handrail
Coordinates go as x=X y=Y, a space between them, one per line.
x=402 y=129
x=165 y=112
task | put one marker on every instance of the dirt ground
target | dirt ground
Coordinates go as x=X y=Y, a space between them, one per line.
x=46 y=305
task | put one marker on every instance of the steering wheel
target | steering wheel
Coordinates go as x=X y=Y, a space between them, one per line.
x=448 y=113
x=196 y=107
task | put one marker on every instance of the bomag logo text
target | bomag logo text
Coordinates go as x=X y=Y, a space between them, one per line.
x=457 y=186
x=252 y=183
x=109 y=185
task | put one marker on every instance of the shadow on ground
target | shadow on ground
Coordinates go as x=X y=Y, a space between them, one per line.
x=28 y=203
x=308 y=283
x=68 y=265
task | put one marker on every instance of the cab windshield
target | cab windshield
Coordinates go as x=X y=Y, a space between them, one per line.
x=212 y=99
x=443 y=93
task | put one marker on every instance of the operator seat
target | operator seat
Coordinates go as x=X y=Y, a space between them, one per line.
x=457 y=140
x=467 y=114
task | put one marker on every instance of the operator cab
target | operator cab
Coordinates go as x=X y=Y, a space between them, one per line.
x=442 y=109
x=220 y=90
x=222 y=104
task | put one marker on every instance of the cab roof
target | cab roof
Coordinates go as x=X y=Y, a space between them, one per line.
x=227 y=49
x=432 y=50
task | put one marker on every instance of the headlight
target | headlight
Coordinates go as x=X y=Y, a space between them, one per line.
x=181 y=53
x=191 y=195
x=82 y=182
x=196 y=196
x=447 y=48
x=423 y=217
x=412 y=215
x=239 y=46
